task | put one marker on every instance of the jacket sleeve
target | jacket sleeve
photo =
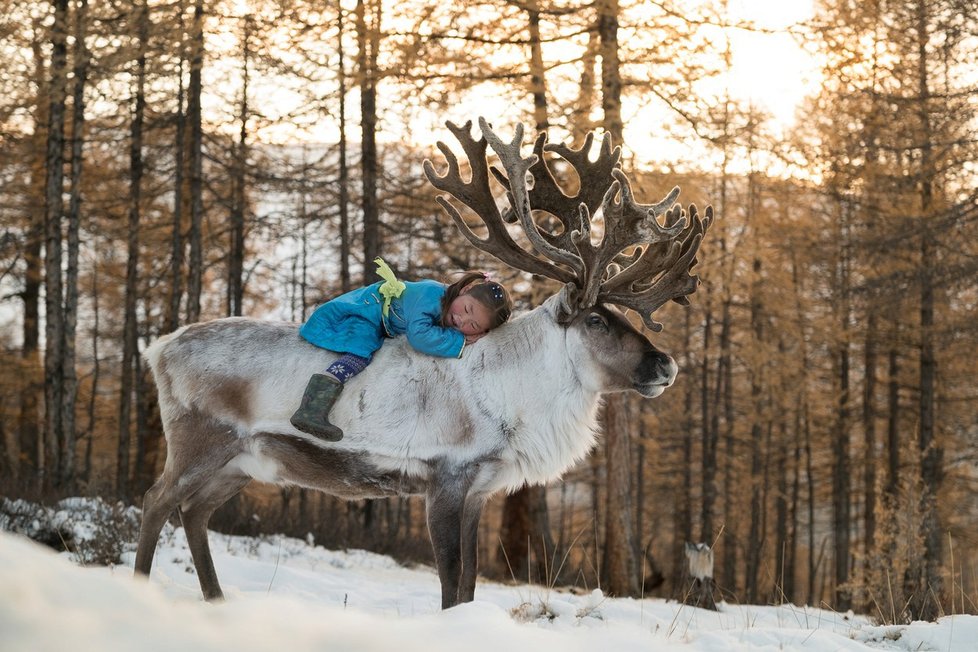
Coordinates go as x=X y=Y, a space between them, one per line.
x=424 y=333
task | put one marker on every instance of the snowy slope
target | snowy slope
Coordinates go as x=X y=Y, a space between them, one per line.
x=285 y=594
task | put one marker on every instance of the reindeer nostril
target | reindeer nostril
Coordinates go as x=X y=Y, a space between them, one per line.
x=671 y=370
x=656 y=367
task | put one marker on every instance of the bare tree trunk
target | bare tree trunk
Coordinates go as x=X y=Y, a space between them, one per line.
x=640 y=499
x=841 y=503
x=525 y=535
x=711 y=433
x=621 y=568
x=892 y=488
x=235 y=290
x=54 y=308
x=755 y=530
x=797 y=438
x=610 y=68
x=29 y=433
x=791 y=555
x=580 y=122
x=538 y=85
x=196 y=262
x=869 y=433
x=300 y=277
x=179 y=151
x=684 y=501
x=782 y=541
x=724 y=399
x=708 y=411
x=80 y=73
x=96 y=372
x=344 y=180
x=597 y=514
x=730 y=488
x=368 y=38
x=892 y=604
x=724 y=396
x=130 y=333
x=810 y=487
x=6 y=469
x=925 y=600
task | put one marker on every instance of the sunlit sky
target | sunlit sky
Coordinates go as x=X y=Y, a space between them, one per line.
x=769 y=69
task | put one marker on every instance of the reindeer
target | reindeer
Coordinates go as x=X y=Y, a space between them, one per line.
x=519 y=407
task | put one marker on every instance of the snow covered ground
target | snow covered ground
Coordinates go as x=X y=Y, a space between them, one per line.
x=285 y=594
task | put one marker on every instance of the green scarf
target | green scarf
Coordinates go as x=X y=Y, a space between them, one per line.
x=391 y=288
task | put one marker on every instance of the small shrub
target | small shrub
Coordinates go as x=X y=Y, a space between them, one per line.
x=94 y=532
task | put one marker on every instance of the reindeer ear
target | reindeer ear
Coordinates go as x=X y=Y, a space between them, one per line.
x=567 y=300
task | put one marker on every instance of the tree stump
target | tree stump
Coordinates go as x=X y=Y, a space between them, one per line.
x=700 y=559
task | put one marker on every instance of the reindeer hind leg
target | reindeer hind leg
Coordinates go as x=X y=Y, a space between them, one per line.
x=158 y=503
x=195 y=513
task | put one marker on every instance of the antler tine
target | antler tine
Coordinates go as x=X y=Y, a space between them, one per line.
x=630 y=223
x=547 y=195
x=674 y=281
x=627 y=224
x=572 y=245
x=646 y=262
x=516 y=168
x=594 y=175
x=477 y=195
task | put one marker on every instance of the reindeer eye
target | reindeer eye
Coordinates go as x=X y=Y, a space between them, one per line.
x=594 y=320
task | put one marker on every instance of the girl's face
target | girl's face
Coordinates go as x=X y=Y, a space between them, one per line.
x=468 y=315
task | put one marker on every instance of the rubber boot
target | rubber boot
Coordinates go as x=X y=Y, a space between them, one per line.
x=313 y=413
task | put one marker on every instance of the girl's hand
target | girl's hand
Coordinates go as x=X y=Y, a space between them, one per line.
x=472 y=339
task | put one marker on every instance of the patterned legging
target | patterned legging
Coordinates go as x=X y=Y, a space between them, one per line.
x=347 y=366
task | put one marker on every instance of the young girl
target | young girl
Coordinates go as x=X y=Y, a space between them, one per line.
x=438 y=320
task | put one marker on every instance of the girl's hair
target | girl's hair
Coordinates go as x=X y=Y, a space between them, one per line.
x=489 y=293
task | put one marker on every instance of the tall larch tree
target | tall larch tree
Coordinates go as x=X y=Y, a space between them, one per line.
x=368 y=28
x=53 y=245
x=81 y=58
x=130 y=344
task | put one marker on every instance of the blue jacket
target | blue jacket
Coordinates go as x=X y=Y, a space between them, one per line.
x=353 y=323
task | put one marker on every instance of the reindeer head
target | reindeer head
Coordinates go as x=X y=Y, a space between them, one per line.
x=639 y=262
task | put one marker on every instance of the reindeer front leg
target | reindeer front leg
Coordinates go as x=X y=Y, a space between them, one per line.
x=445 y=503
x=470 y=547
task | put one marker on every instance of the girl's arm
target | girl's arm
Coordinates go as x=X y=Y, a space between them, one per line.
x=422 y=316
x=428 y=337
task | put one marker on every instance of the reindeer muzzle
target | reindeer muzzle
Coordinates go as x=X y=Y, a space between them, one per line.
x=654 y=374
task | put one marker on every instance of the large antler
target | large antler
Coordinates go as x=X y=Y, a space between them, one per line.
x=477 y=195
x=639 y=263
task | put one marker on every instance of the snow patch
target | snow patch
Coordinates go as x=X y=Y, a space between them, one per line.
x=285 y=593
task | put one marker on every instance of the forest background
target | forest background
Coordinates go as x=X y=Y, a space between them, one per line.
x=169 y=161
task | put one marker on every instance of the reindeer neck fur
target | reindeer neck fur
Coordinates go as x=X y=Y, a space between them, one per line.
x=537 y=377
x=530 y=398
